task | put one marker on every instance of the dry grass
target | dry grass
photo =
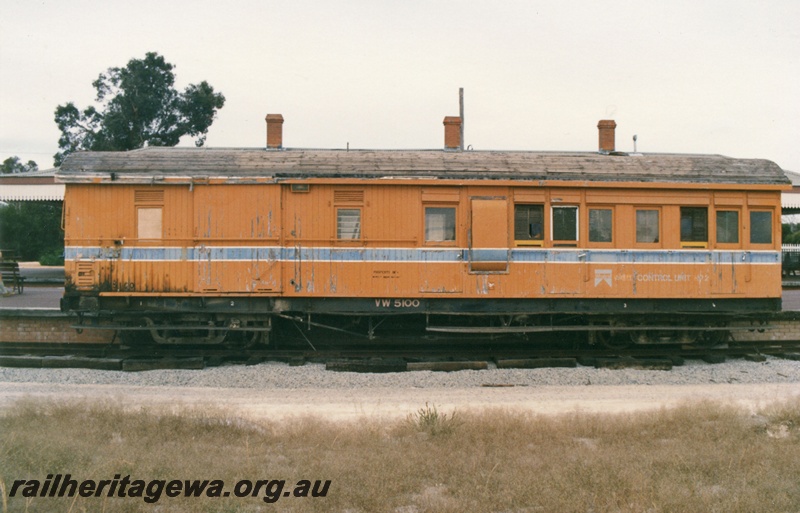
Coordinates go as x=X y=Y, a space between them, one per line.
x=698 y=457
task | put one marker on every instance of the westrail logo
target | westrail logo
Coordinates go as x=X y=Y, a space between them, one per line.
x=603 y=276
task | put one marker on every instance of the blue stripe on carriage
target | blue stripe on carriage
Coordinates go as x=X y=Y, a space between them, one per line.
x=426 y=255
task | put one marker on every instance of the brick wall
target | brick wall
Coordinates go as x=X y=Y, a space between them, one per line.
x=782 y=329
x=49 y=330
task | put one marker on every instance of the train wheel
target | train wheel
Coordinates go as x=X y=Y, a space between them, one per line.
x=662 y=336
x=242 y=338
x=713 y=338
x=614 y=339
x=689 y=336
x=138 y=334
x=136 y=338
x=165 y=334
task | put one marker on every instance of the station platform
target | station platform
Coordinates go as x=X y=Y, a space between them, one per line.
x=34 y=297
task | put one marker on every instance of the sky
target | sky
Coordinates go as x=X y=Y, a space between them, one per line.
x=698 y=76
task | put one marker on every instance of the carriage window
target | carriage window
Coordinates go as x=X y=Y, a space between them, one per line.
x=694 y=224
x=600 y=222
x=760 y=227
x=148 y=223
x=728 y=226
x=565 y=223
x=440 y=224
x=149 y=205
x=348 y=223
x=647 y=226
x=528 y=222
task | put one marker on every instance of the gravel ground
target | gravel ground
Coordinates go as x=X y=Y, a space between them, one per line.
x=277 y=391
x=274 y=375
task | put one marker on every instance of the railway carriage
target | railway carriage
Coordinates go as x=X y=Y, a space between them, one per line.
x=210 y=245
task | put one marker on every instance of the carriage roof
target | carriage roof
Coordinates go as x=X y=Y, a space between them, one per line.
x=243 y=164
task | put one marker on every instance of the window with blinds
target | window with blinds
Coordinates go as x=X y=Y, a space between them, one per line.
x=348 y=223
x=440 y=224
x=348 y=204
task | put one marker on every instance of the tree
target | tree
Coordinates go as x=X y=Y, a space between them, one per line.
x=13 y=165
x=791 y=233
x=32 y=229
x=137 y=105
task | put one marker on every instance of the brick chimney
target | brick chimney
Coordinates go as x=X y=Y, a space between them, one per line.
x=274 y=131
x=606 y=128
x=452 y=133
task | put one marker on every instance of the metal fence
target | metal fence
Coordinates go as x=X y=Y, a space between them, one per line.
x=790 y=259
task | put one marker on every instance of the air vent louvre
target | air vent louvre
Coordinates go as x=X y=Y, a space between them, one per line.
x=348 y=197
x=84 y=274
x=149 y=197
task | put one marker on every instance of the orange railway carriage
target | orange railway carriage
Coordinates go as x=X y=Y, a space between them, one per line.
x=181 y=241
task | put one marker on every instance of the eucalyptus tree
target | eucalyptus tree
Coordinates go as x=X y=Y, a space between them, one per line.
x=138 y=105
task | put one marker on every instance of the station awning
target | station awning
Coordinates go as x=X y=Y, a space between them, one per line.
x=790 y=203
x=32 y=192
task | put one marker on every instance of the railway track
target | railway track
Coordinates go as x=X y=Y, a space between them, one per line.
x=383 y=359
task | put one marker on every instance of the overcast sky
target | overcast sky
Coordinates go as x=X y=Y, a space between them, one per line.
x=691 y=76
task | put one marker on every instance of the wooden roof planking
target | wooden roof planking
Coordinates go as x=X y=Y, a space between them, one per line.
x=154 y=164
